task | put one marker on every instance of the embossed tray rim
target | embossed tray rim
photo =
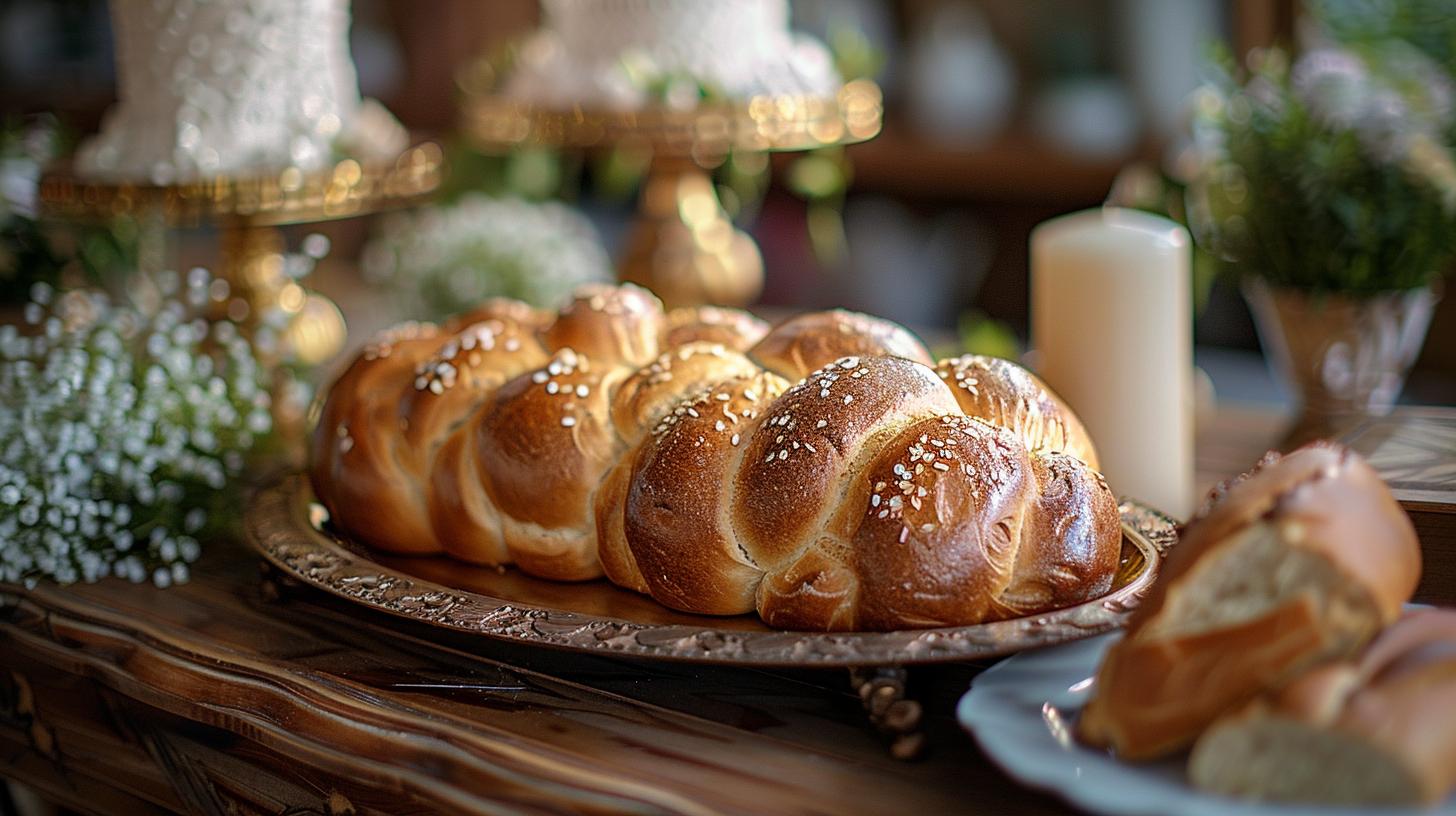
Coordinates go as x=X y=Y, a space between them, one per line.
x=277 y=525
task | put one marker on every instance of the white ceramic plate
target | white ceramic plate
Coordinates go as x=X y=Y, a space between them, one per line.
x=1021 y=712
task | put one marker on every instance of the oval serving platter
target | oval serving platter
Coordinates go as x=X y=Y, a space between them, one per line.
x=290 y=529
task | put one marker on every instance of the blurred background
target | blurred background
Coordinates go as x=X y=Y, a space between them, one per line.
x=998 y=115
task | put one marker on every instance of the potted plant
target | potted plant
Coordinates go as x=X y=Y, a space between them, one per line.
x=1327 y=188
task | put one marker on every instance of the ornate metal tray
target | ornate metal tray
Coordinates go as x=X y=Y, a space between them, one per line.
x=291 y=532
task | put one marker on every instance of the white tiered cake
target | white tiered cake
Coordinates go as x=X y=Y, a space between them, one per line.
x=233 y=87
x=605 y=53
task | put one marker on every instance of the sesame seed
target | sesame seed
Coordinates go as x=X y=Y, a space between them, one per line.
x=539 y=377
x=927 y=527
x=582 y=391
x=437 y=387
x=783 y=454
x=721 y=397
x=811 y=448
x=848 y=398
x=904 y=533
x=879 y=485
x=567 y=422
x=821 y=423
x=692 y=412
x=734 y=441
x=882 y=514
x=718 y=426
x=875 y=500
x=552 y=387
x=941 y=466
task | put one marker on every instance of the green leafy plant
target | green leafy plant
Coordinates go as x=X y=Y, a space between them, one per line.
x=59 y=255
x=1331 y=175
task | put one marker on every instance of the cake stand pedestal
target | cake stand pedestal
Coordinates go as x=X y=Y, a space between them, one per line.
x=248 y=212
x=682 y=245
x=250 y=281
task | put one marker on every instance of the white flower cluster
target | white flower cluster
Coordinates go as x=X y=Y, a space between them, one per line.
x=448 y=258
x=1390 y=103
x=120 y=426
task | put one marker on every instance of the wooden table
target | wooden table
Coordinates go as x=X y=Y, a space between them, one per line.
x=222 y=696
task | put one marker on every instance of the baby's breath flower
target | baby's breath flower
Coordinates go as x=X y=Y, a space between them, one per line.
x=119 y=428
x=449 y=258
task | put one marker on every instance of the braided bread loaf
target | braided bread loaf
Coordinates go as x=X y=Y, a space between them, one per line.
x=826 y=474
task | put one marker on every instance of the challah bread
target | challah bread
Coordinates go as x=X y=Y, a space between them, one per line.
x=1003 y=393
x=1302 y=560
x=733 y=328
x=807 y=342
x=515 y=311
x=356 y=466
x=653 y=448
x=615 y=325
x=1377 y=730
x=439 y=438
x=667 y=498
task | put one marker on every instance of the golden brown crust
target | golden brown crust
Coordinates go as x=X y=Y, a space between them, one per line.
x=1156 y=693
x=447 y=392
x=734 y=328
x=1334 y=498
x=805 y=343
x=1003 y=393
x=1072 y=541
x=945 y=515
x=818 y=435
x=651 y=391
x=356 y=469
x=681 y=541
x=544 y=443
x=613 y=325
x=519 y=312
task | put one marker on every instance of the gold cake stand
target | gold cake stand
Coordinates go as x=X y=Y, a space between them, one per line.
x=248 y=212
x=682 y=245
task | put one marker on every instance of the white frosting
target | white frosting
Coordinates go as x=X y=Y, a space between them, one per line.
x=596 y=53
x=233 y=87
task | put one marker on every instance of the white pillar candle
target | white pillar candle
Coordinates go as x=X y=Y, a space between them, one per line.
x=1112 y=325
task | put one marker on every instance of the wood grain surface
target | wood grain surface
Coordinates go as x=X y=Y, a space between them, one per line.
x=207 y=698
x=235 y=695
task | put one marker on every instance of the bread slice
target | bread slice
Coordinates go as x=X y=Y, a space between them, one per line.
x=1380 y=730
x=1302 y=560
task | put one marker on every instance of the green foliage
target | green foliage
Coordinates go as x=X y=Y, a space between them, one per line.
x=1326 y=178
x=1429 y=25
x=980 y=334
x=55 y=254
